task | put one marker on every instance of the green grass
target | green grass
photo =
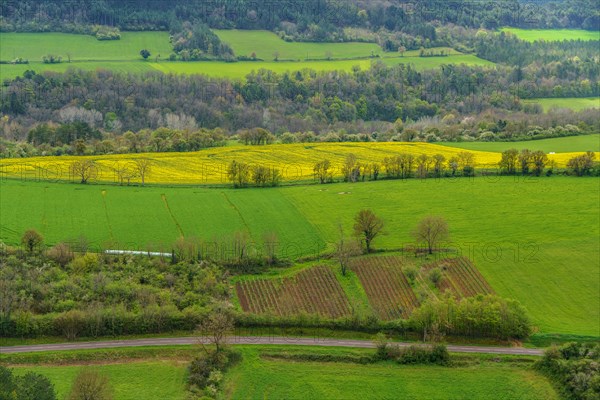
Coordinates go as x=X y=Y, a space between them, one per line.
x=265 y=44
x=257 y=377
x=132 y=380
x=33 y=46
x=557 y=145
x=572 y=103
x=555 y=35
x=87 y=53
x=139 y=218
x=492 y=220
x=161 y=375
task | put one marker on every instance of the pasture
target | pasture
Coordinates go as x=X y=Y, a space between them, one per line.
x=558 y=145
x=258 y=377
x=122 y=55
x=553 y=35
x=264 y=44
x=522 y=234
x=261 y=374
x=571 y=103
x=131 y=381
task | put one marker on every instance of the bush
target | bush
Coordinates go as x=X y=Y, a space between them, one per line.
x=90 y=384
x=30 y=386
x=418 y=354
x=576 y=369
x=435 y=275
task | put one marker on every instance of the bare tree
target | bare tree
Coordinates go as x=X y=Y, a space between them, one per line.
x=143 y=166
x=216 y=328
x=367 y=226
x=91 y=385
x=345 y=249
x=84 y=170
x=431 y=230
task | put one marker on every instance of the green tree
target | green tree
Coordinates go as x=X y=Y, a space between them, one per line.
x=508 y=162
x=367 y=226
x=32 y=240
x=145 y=54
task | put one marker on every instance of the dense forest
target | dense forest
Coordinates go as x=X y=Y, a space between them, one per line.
x=312 y=19
x=386 y=103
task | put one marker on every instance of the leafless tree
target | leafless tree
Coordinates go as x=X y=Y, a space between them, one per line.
x=431 y=230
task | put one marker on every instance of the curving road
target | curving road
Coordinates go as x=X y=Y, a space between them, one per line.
x=261 y=340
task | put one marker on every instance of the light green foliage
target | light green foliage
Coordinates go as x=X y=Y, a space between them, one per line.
x=572 y=103
x=531 y=35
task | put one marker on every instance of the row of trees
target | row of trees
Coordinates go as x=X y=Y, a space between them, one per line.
x=242 y=174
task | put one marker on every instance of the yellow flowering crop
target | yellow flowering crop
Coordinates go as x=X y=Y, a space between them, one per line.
x=209 y=166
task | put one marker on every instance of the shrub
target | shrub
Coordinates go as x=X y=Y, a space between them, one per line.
x=435 y=275
x=418 y=354
x=91 y=385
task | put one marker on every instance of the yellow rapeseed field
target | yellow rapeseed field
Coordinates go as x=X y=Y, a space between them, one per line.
x=295 y=161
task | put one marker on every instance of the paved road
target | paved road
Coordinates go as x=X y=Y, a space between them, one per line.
x=262 y=340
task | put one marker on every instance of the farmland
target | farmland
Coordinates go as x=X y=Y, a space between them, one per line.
x=387 y=289
x=572 y=103
x=87 y=53
x=461 y=278
x=532 y=35
x=264 y=44
x=558 y=145
x=295 y=161
x=546 y=262
x=312 y=291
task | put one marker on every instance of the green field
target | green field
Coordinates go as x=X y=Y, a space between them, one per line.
x=131 y=380
x=523 y=237
x=258 y=377
x=87 y=53
x=531 y=35
x=264 y=44
x=572 y=103
x=558 y=145
x=33 y=46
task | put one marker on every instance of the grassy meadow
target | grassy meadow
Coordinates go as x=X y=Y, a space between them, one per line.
x=265 y=43
x=572 y=103
x=122 y=55
x=133 y=380
x=259 y=375
x=567 y=144
x=522 y=235
x=263 y=377
x=553 y=35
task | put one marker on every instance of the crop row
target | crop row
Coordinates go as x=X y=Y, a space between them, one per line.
x=312 y=291
x=387 y=289
x=462 y=278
